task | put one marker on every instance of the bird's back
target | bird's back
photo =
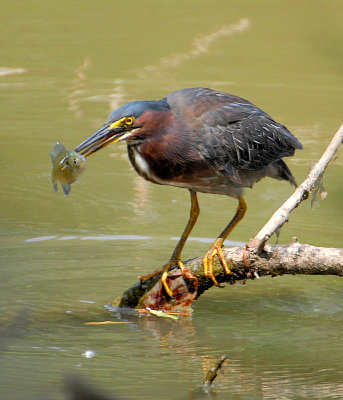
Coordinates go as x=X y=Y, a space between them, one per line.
x=234 y=136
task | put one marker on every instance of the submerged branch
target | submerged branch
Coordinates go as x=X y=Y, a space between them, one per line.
x=213 y=372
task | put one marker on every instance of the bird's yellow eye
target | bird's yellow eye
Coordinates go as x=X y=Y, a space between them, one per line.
x=129 y=121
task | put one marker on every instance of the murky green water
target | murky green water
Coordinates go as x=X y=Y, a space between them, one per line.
x=63 y=66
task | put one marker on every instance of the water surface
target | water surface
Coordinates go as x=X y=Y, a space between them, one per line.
x=64 y=66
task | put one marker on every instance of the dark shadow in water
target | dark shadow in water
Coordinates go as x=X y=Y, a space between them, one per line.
x=14 y=328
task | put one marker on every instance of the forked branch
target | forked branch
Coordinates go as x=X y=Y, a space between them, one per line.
x=254 y=260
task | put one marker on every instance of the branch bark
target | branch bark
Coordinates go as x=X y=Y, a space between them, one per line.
x=252 y=261
x=279 y=218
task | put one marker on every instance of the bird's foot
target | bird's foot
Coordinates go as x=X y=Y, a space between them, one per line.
x=164 y=277
x=215 y=250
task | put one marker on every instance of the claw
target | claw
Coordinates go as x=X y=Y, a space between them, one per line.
x=164 y=277
x=144 y=277
x=215 y=250
x=165 y=274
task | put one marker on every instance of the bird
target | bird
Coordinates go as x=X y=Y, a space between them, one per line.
x=203 y=140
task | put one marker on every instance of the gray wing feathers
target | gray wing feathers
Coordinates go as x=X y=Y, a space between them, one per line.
x=245 y=138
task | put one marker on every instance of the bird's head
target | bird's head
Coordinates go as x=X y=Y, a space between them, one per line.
x=134 y=121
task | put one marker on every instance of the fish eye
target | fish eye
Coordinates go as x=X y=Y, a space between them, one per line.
x=129 y=121
x=76 y=162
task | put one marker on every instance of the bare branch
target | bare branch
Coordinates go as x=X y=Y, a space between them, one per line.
x=274 y=260
x=302 y=192
x=249 y=262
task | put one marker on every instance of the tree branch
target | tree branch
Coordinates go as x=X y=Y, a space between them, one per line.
x=279 y=218
x=252 y=261
x=273 y=260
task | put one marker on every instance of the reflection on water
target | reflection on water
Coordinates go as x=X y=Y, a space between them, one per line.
x=120 y=92
x=265 y=350
x=62 y=259
x=11 y=71
x=125 y=238
x=199 y=47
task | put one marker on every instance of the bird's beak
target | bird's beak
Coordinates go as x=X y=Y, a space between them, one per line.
x=109 y=133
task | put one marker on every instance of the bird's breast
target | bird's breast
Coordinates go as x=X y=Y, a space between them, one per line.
x=194 y=176
x=139 y=163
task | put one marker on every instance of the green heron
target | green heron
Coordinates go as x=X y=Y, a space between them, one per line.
x=202 y=140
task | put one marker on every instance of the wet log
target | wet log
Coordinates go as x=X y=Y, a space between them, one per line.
x=273 y=260
x=256 y=259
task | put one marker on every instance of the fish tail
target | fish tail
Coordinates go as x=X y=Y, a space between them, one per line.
x=57 y=148
x=54 y=184
x=53 y=157
x=66 y=188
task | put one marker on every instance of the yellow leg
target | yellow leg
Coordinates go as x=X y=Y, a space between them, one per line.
x=216 y=248
x=165 y=274
x=175 y=257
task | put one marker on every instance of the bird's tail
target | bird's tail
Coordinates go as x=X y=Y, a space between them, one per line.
x=284 y=172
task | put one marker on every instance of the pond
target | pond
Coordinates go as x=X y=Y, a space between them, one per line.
x=64 y=67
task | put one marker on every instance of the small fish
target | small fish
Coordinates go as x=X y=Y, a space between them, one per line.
x=67 y=166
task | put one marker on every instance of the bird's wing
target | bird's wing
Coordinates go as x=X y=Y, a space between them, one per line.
x=243 y=137
x=229 y=132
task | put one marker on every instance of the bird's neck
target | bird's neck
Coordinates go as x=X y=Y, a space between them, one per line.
x=138 y=161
